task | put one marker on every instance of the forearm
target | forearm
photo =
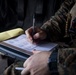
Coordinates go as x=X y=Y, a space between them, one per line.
x=55 y=27
x=63 y=61
x=67 y=61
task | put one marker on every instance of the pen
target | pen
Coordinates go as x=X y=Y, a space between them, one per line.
x=33 y=32
x=19 y=68
x=33 y=24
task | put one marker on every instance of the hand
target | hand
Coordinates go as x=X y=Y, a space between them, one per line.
x=39 y=34
x=37 y=64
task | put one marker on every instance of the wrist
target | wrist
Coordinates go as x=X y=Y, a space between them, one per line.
x=52 y=62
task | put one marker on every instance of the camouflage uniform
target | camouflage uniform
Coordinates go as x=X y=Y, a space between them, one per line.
x=56 y=26
x=57 y=29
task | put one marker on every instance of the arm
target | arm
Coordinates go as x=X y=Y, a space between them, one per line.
x=67 y=61
x=55 y=27
x=38 y=63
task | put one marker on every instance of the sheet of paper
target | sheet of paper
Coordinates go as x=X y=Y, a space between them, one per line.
x=22 y=42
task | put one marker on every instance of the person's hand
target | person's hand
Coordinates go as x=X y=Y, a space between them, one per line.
x=37 y=64
x=38 y=35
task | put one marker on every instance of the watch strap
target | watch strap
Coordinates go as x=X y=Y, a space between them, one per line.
x=53 y=62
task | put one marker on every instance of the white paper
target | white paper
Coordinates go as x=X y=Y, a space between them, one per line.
x=22 y=42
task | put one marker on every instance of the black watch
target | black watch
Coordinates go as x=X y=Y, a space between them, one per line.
x=52 y=63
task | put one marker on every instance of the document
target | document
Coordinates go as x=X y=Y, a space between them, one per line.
x=22 y=43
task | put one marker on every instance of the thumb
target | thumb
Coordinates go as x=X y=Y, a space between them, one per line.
x=25 y=71
x=40 y=35
x=37 y=36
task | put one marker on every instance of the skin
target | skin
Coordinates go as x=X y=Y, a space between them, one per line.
x=37 y=64
x=39 y=35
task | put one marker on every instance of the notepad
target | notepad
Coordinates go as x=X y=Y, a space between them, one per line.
x=20 y=48
x=22 y=43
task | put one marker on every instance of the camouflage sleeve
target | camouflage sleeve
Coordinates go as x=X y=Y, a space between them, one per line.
x=67 y=61
x=55 y=27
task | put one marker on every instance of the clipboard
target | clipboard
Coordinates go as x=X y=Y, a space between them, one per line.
x=23 y=53
x=14 y=52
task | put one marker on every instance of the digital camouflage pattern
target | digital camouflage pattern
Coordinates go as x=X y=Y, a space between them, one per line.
x=67 y=61
x=56 y=26
x=57 y=29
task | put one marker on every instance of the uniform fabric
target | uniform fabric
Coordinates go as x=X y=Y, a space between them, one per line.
x=58 y=31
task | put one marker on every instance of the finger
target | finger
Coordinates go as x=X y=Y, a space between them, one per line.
x=40 y=35
x=27 y=61
x=28 y=33
x=25 y=71
x=37 y=36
